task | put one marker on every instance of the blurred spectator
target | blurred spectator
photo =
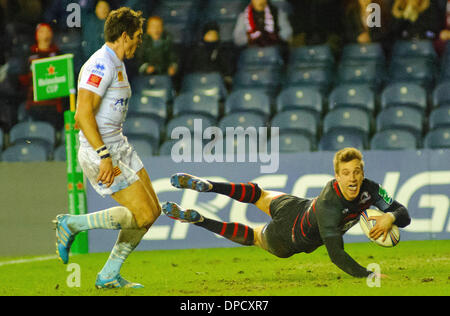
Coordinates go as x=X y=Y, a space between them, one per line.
x=157 y=54
x=92 y=28
x=262 y=24
x=209 y=55
x=355 y=22
x=444 y=35
x=418 y=19
x=48 y=110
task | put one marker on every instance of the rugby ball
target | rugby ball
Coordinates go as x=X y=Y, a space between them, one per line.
x=393 y=236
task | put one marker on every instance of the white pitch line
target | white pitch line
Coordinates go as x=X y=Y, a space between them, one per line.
x=27 y=260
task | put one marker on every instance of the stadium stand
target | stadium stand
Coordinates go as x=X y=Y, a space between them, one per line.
x=188 y=121
x=299 y=121
x=143 y=147
x=210 y=84
x=257 y=57
x=336 y=140
x=193 y=103
x=438 y=138
x=401 y=117
x=148 y=106
x=292 y=142
x=242 y=119
x=248 y=100
x=440 y=117
x=352 y=95
x=360 y=53
x=143 y=128
x=441 y=94
x=301 y=97
x=319 y=56
x=159 y=86
x=33 y=152
x=404 y=94
x=393 y=139
x=42 y=133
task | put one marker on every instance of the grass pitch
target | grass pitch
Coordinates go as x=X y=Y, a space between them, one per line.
x=413 y=267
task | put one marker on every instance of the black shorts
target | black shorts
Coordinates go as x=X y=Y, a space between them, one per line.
x=277 y=234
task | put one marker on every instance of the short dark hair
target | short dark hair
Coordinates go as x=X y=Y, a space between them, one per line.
x=122 y=20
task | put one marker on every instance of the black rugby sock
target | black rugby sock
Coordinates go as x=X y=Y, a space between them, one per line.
x=242 y=192
x=239 y=233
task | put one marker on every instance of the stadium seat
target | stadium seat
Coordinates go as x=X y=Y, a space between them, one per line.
x=182 y=32
x=2 y=136
x=60 y=153
x=159 y=86
x=143 y=147
x=226 y=28
x=248 y=100
x=414 y=48
x=364 y=73
x=350 y=119
x=438 y=138
x=242 y=119
x=319 y=56
x=320 y=78
x=401 y=117
x=264 y=79
x=352 y=95
x=300 y=97
x=292 y=142
x=414 y=70
x=404 y=94
x=148 y=106
x=166 y=148
x=440 y=117
x=142 y=127
x=224 y=9
x=252 y=57
x=210 y=84
x=393 y=139
x=190 y=102
x=176 y=10
x=300 y=121
x=441 y=94
x=23 y=152
x=363 y=53
x=188 y=121
x=35 y=132
x=336 y=140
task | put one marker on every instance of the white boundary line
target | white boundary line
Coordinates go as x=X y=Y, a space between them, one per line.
x=27 y=260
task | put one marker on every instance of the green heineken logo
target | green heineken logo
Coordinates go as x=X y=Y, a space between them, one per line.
x=52 y=77
x=384 y=195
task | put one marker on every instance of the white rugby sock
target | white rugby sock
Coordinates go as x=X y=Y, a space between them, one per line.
x=118 y=217
x=127 y=241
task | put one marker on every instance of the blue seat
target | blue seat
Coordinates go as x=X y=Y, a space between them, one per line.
x=265 y=79
x=300 y=121
x=176 y=10
x=352 y=95
x=68 y=41
x=363 y=52
x=148 y=106
x=393 y=139
x=143 y=147
x=364 y=73
x=224 y=9
x=340 y=139
x=143 y=127
x=300 y=97
x=441 y=94
x=351 y=119
x=320 y=78
x=159 y=86
x=438 y=138
x=1 y=139
x=181 y=31
x=60 y=153
x=311 y=56
x=414 y=70
x=440 y=117
x=292 y=142
x=401 y=117
x=210 y=84
x=34 y=132
x=248 y=100
x=252 y=57
x=226 y=28
x=190 y=102
x=180 y=147
x=188 y=121
x=23 y=152
x=242 y=119
x=414 y=48
x=405 y=94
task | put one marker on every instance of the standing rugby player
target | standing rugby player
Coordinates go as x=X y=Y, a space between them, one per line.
x=302 y=225
x=107 y=159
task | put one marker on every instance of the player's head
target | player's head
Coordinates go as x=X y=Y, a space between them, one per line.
x=124 y=25
x=349 y=171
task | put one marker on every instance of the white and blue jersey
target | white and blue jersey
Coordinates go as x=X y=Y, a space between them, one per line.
x=104 y=74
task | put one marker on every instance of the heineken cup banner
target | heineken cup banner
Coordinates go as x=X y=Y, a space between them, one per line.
x=53 y=77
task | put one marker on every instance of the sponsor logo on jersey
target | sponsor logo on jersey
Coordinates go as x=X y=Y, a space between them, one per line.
x=365 y=197
x=384 y=195
x=94 y=80
x=120 y=76
x=98 y=70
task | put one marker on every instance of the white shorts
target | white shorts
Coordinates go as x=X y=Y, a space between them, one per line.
x=123 y=156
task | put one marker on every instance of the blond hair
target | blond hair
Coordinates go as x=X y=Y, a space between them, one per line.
x=345 y=155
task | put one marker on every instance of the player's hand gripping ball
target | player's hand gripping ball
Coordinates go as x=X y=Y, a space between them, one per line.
x=393 y=236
